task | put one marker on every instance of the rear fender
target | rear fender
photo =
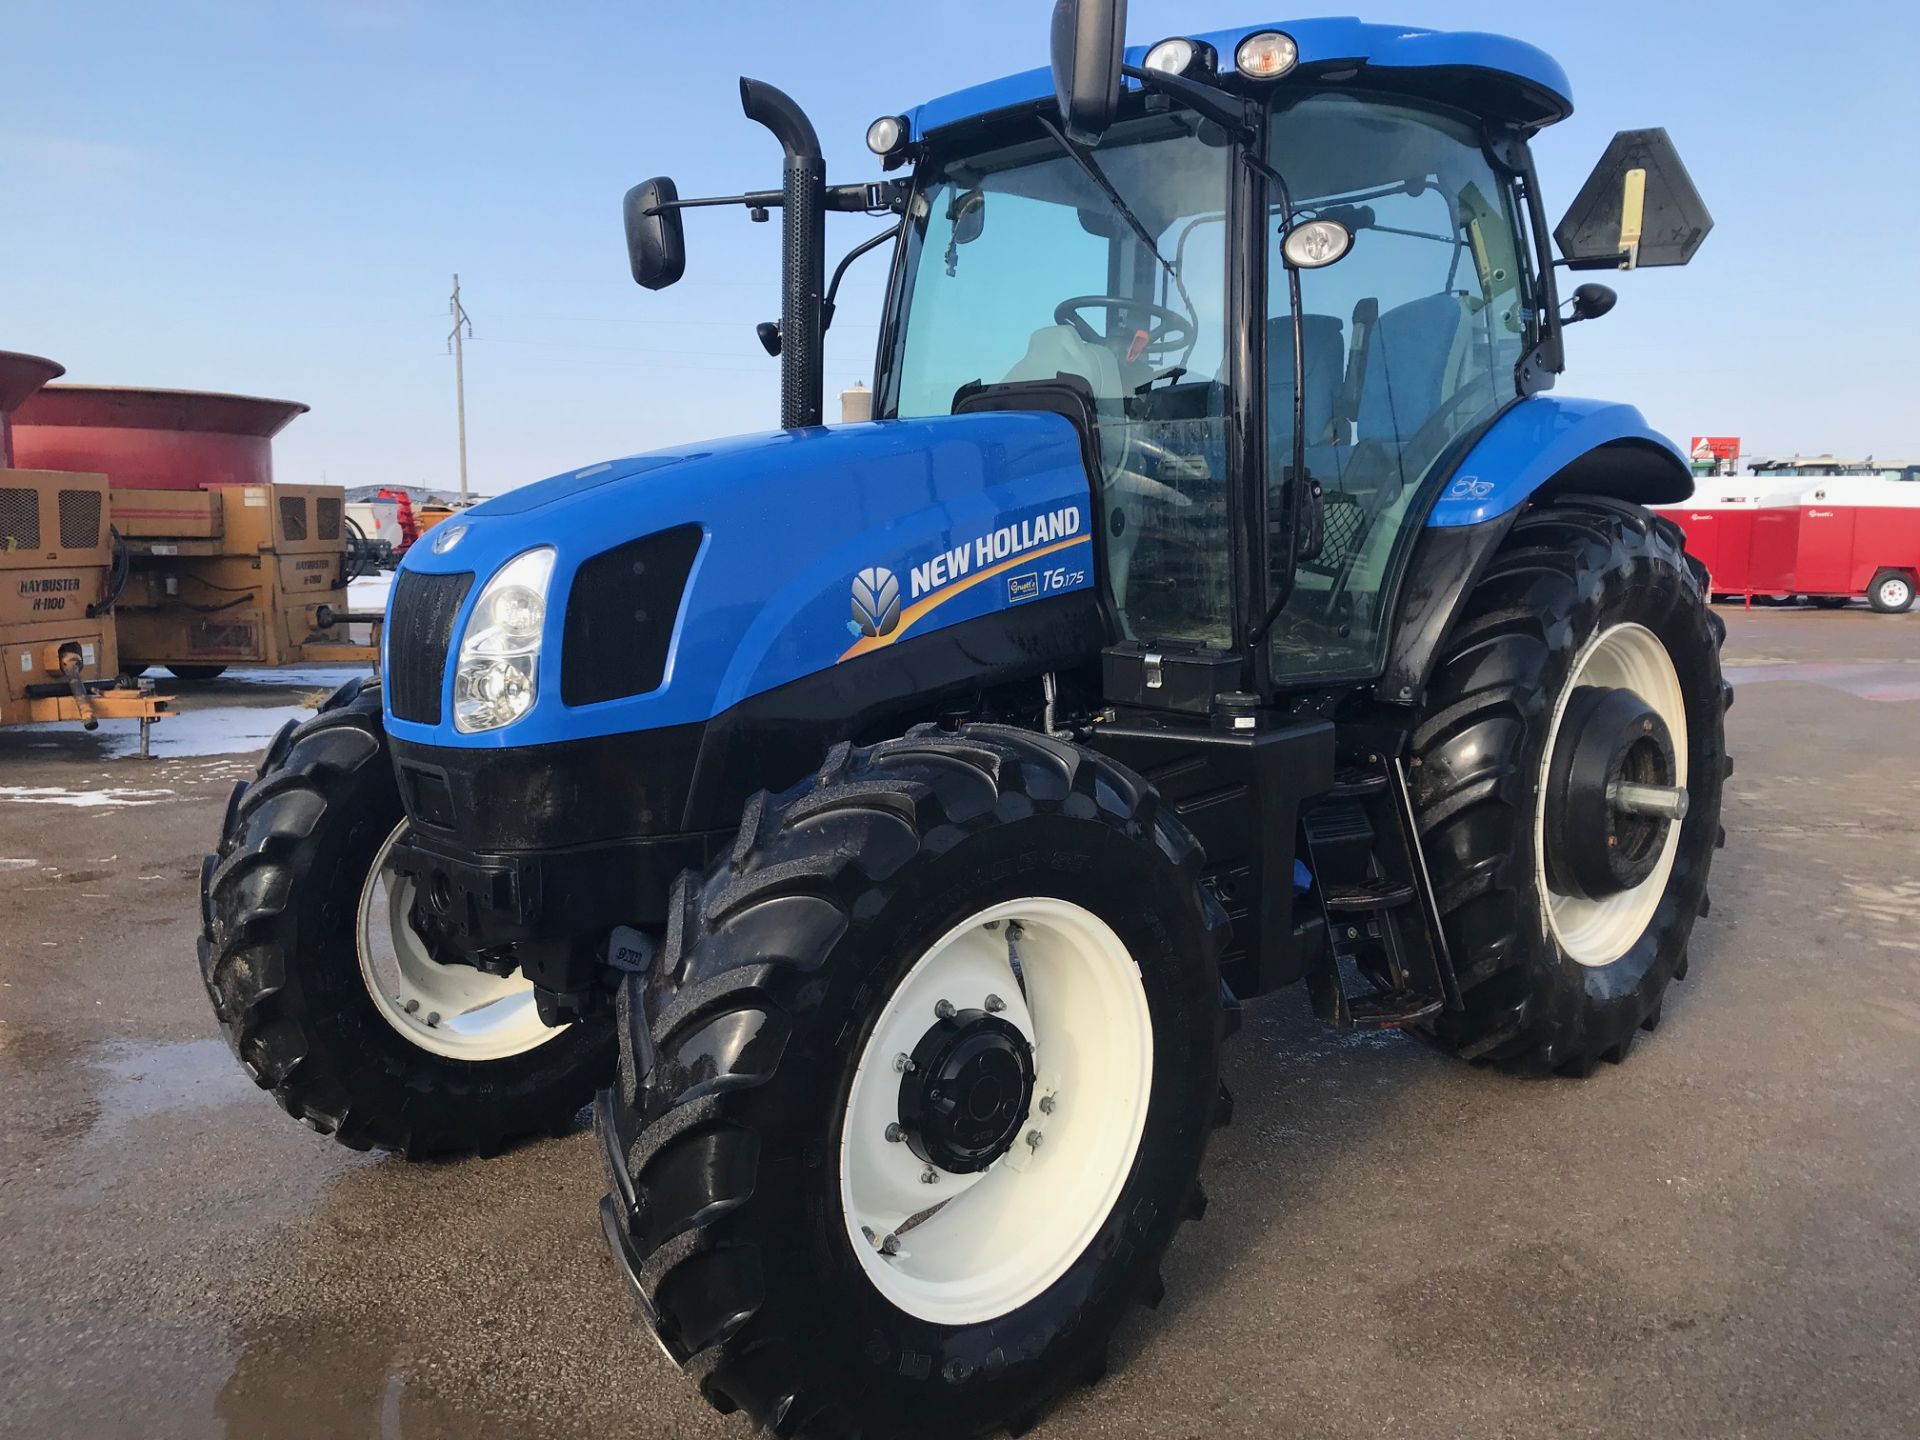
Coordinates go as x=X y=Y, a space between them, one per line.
x=1544 y=446
x=1548 y=444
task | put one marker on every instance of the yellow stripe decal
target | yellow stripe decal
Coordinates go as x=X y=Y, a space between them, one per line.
x=920 y=609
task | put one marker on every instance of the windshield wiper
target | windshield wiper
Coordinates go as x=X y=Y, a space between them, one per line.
x=1093 y=172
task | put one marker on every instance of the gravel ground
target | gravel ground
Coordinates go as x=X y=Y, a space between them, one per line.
x=1720 y=1238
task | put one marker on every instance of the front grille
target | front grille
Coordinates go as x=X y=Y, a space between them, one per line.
x=293 y=517
x=419 y=630
x=326 y=517
x=19 y=519
x=620 y=616
x=79 y=519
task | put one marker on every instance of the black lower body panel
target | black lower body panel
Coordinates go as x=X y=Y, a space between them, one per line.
x=483 y=900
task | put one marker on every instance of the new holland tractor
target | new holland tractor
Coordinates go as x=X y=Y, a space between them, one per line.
x=887 y=819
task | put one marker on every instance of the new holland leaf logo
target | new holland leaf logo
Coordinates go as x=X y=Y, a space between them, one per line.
x=876 y=602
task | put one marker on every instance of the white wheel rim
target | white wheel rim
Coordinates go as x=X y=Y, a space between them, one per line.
x=1599 y=932
x=451 y=1010
x=1893 y=593
x=969 y=1248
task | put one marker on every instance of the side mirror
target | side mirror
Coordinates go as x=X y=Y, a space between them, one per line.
x=656 y=238
x=969 y=216
x=1590 y=302
x=1638 y=207
x=1089 y=38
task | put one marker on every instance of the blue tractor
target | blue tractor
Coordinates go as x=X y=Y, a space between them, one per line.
x=887 y=819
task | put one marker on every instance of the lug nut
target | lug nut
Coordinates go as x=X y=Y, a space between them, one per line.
x=903 y=1063
x=412 y=1006
x=433 y=1018
x=1034 y=1137
x=895 y=1134
x=1046 y=1104
x=890 y=1245
x=944 y=1010
x=995 y=1004
x=929 y=1176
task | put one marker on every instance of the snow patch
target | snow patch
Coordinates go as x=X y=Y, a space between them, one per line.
x=79 y=799
x=323 y=677
x=234 y=731
x=370 y=592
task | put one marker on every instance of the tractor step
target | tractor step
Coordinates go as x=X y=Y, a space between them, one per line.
x=1350 y=782
x=1367 y=895
x=1377 y=899
x=1392 y=1009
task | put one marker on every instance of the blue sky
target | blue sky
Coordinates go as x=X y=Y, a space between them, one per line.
x=271 y=197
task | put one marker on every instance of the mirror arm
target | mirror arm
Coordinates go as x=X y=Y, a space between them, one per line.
x=1239 y=118
x=878 y=197
x=756 y=199
x=833 y=289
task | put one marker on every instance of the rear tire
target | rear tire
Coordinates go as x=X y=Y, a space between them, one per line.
x=282 y=955
x=1545 y=984
x=734 y=1133
x=196 y=673
x=1891 y=592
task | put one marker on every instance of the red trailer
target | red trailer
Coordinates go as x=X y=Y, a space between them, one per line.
x=1827 y=530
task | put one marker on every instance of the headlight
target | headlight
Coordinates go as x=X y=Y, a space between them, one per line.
x=887 y=134
x=1316 y=243
x=497 y=674
x=1170 y=56
x=1181 y=56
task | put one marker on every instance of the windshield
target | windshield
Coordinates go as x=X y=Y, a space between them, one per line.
x=1021 y=267
x=1408 y=343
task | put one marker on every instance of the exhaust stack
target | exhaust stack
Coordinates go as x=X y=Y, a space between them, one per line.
x=803 y=250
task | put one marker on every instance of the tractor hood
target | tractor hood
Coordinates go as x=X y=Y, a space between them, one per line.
x=816 y=547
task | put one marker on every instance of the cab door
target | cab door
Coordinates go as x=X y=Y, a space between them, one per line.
x=1409 y=340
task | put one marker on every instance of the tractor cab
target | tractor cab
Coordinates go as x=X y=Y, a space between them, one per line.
x=1265 y=423
x=1281 y=279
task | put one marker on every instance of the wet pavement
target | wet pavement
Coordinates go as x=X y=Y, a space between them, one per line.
x=1720 y=1238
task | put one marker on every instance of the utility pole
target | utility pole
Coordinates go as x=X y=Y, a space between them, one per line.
x=460 y=322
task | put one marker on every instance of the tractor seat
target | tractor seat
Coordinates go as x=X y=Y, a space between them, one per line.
x=1323 y=346
x=1417 y=357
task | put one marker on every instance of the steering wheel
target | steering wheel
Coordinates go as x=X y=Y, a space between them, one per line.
x=1167 y=331
x=1129 y=480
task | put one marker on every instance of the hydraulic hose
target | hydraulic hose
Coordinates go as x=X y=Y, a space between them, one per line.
x=117 y=575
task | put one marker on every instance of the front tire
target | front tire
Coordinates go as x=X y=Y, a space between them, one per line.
x=765 y=1149
x=310 y=963
x=1567 y=919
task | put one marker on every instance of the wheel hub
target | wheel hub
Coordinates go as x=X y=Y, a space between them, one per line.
x=966 y=1090
x=1611 y=794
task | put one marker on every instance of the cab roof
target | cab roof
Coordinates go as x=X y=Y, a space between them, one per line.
x=1489 y=75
